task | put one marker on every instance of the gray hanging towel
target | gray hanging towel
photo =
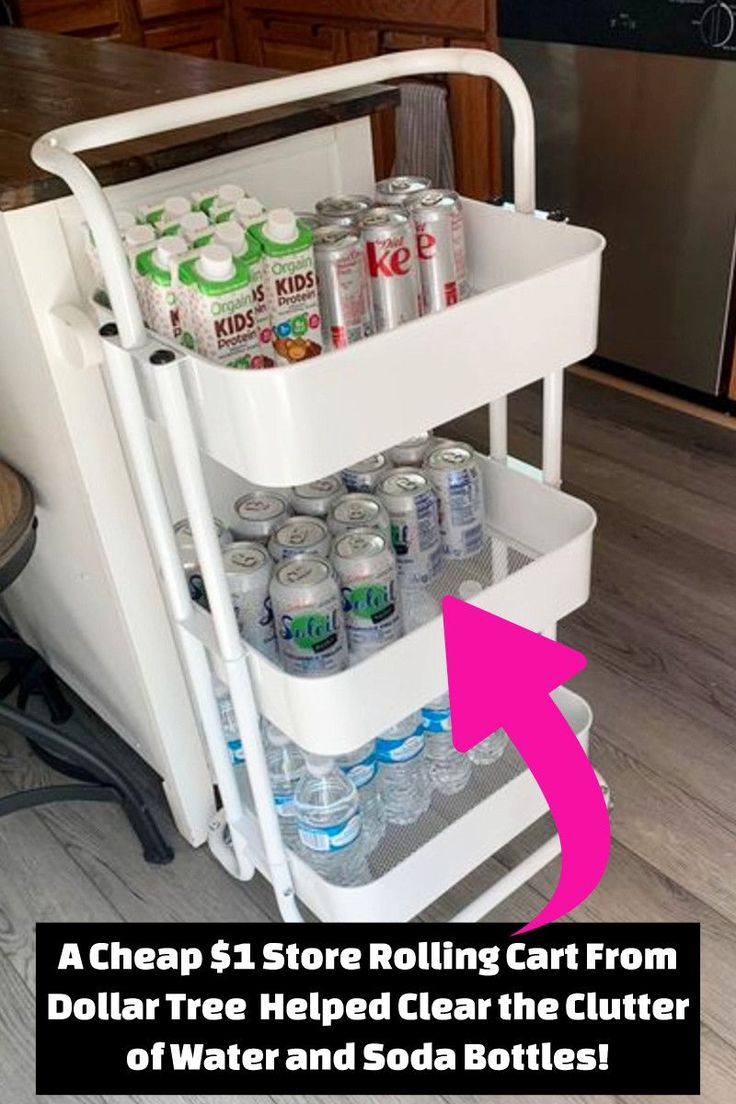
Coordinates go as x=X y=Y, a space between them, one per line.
x=423 y=136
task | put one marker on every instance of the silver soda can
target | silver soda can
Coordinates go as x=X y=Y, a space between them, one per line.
x=342 y=283
x=248 y=569
x=358 y=511
x=433 y=213
x=315 y=499
x=259 y=513
x=366 y=567
x=397 y=189
x=368 y=473
x=410 y=453
x=307 y=610
x=342 y=210
x=453 y=472
x=415 y=531
x=300 y=536
x=309 y=219
x=390 y=248
x=188 y=553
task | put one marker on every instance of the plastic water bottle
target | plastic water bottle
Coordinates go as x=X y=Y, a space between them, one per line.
x=489 y=750
x=330 y=823
x=231 y=734
x=361 y=767
x=285 y=769
x=403 y=776
x=449 y=769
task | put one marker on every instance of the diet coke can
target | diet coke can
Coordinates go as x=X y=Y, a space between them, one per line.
x=342 y=210
x=342 y=283
x=300 y=536
x=397 y=189
x=434 y=214
x=390 y=248
x=248 y=570
x=367 y=474
x=308 y=218
x=415 y=530
x=453 y=472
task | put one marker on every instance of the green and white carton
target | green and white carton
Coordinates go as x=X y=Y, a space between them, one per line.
x=161 y=291
x=221 y=305
x=291 y=286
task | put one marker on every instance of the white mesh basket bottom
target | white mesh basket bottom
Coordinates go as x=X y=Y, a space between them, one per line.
x=400 y=841
x=497 y=559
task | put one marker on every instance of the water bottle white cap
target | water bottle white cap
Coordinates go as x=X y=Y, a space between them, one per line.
x=216 y=263
x=281 y=225
x=319 y=766
x=168 y=249
x=232 y=235
x=248 y=207
x=139 y=235
x=194 y=220
x=228 y=194
x=176 y=206
x=125 y=220
x=468 y=589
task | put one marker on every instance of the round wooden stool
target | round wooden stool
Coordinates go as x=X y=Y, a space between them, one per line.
x=70 y=753
x=17 y=524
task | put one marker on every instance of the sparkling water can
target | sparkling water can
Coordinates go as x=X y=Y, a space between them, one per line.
x=307 y=609
x=453 y=471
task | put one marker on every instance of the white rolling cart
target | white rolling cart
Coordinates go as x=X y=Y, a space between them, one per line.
x=534 y=312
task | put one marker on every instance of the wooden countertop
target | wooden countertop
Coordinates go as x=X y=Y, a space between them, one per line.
x=51 y=80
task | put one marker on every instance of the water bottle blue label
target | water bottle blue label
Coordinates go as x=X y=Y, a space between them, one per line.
x=402 y=750
x=237 y=755
x=284 y=804
x=360 y=774
x=333 y=837
x=436 y=720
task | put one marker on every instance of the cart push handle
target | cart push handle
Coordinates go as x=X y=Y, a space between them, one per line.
x=57 y=151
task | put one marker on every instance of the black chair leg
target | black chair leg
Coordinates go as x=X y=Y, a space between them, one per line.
x=106 y=774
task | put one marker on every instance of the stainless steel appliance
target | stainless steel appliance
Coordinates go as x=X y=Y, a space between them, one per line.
x=636 y=111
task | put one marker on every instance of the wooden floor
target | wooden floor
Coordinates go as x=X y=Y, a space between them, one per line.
x=660 y=636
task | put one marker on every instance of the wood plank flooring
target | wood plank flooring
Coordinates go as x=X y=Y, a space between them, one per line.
x=660 y=636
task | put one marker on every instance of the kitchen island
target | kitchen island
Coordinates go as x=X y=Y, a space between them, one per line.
x=90 y=599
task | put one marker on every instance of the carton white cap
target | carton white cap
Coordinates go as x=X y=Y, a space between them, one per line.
x=139 y=235
x=232 y=235
x=168 y=249
x=319 y=766
x=248 y=207
x=216 y=263
x=228 y=194
x=125 y=220
x=176 y=206
x=281 y=225
x=193 y=221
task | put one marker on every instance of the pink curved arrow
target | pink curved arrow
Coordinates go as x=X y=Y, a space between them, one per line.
x=500 y=676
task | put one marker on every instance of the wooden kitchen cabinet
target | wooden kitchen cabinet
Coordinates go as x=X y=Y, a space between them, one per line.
x=99 y=19
x=303 y=34
x=298 y=35
x=199 y=27
x=208 y=37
